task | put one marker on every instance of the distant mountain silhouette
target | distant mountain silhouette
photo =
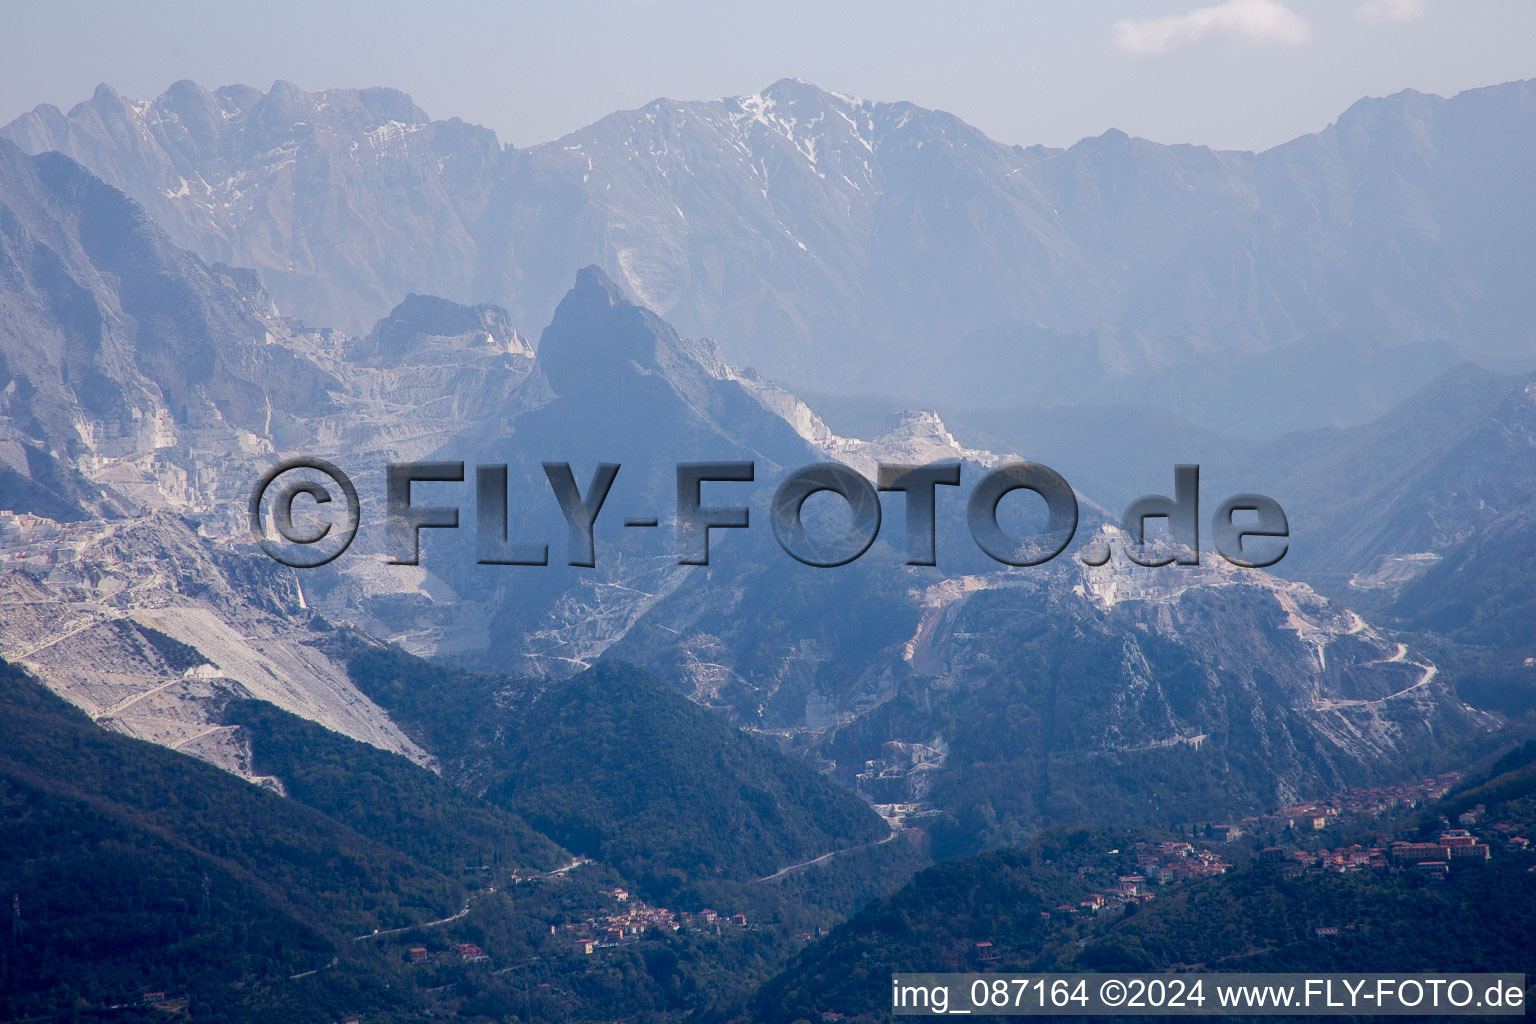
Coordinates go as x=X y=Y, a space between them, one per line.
x=884 y=248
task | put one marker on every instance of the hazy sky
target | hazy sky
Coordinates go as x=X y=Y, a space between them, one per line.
x=1243 y=73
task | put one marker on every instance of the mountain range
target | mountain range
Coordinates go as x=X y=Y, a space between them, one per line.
x=858 y=247
x=879 y=664
x=195 y=287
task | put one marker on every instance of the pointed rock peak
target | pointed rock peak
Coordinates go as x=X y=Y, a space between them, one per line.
x=790 y=90
x=277 y=115
x=1111 y=137
x=593 y=287
x=191 y=103
x=921 y=437
x=106 y=97
x=598 y=335
x=284 y=89
x=793 y=98
x=1111 y=141
x=1392 y=101
x=285 y=101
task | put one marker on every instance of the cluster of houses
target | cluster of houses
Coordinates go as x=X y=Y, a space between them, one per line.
x=710 y=919
x=1127 y=889
x=1159 y=864
x=630 y=919
x=1358 y=802
x=634 y=917
x=1454 y=846
x=1177 y=862
x=464 y=952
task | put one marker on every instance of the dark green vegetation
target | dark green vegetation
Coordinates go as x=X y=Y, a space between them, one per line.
x=139 y=869
x=617 y=766
x=1507 y=789
x=142 y=870
x=1256 y=917
x=1481 y=918
x=688 y=810
x=934 y=923
x=386 y=798
x=1020 y=707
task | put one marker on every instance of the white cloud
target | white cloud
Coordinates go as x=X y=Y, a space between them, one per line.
x=1253 y=21
x=1391 y=10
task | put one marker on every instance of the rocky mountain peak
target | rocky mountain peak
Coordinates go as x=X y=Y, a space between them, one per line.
x=421 y=317
x=914 y=422
x=794 y=217
x=106 y=97
x=593 y=287
x=798 y=94
x=597 y=333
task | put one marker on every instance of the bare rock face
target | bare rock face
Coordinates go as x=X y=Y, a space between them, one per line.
x=142 y=395
x=329 y=195
x=1240 y=670
x=151 y=606
x=116 y=341
x=150 y=630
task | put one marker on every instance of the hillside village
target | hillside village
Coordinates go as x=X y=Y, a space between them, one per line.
x=633 y=917
x=1354 y=802
x=1453 y=847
